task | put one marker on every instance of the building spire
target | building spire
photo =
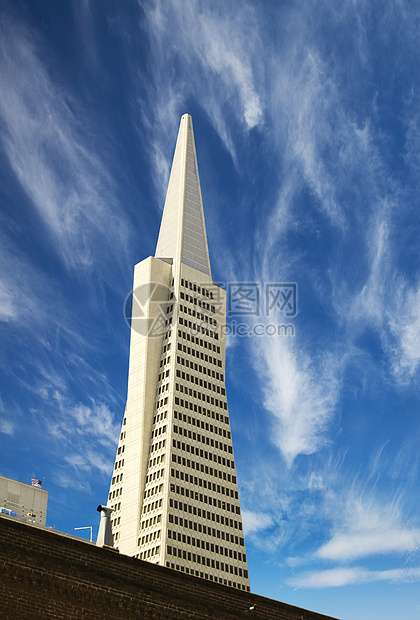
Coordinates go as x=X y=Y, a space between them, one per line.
x=182 y=234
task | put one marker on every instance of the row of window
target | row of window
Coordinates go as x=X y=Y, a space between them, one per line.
x=153 y=491
x=197 y=315
x=162 y=402
x=197 y=573
x=119 y=464
x=204 y=499
x=201 y=424
x=206 y=561
x=205 y=370
x=165 y=361
x=158 y=445
x=152 y=506
x=149 y=538
x=207 y=546
x=197 y=408
x=204 y=514
x=160 y=416
x=160 y=430
x=166 y=347
x=201 y=382
x=209 y=441
x=156 y=474
x=203 y=454
x=162 y=388
x=202 y=482
x=199 y=341
x=199 y=354
x=197 y=302
x=117 y=478
x=196 y=288
x=151 y=521
x=149 y=553
x=198 y=329
x=206 y=529
x=205 y=469
x=115 y=493
x=156 y=460
x=163 y=375
x=166 y=335
x=211 y=400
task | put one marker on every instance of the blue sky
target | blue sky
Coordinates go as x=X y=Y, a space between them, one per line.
x=307 y=124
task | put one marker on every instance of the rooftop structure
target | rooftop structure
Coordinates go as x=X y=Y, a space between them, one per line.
x=24 y=501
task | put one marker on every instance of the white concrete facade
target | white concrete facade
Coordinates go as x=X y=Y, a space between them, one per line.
x=174 y=486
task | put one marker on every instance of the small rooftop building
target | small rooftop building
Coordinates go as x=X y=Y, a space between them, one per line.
x=23 y=501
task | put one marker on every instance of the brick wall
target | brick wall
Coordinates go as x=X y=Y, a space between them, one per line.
x=45 y=574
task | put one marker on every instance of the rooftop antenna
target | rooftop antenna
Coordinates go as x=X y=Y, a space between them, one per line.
x=87 y=527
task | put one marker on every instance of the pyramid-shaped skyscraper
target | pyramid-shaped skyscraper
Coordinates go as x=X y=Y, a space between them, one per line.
x=174 y=489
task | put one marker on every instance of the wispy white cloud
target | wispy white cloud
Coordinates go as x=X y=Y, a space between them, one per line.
x=53 y=150
x=355 y=519
x=299 y=392
x=319 y=146
x=364 y=524
x=338 y=577
x=8 y=306
x=412 y=133
x=255 y=521
x=213 y=50
x=315 y=481
x=95 y=420
x=339 y=155
x=290 y=508
x=7 y=427
x=76 y=460
x=69 y=481
x=405 y=326
x=309 y=102
x=87 y=437
x=387 y=302
x=221 y=46
x=84 y=19
x=85 y=433
x=89 y=460
x=80 y=424
x=373 y=540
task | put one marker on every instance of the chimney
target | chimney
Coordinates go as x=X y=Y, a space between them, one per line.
x=105 y=538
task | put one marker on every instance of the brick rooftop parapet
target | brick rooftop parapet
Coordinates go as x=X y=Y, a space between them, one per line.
x=46 y=574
